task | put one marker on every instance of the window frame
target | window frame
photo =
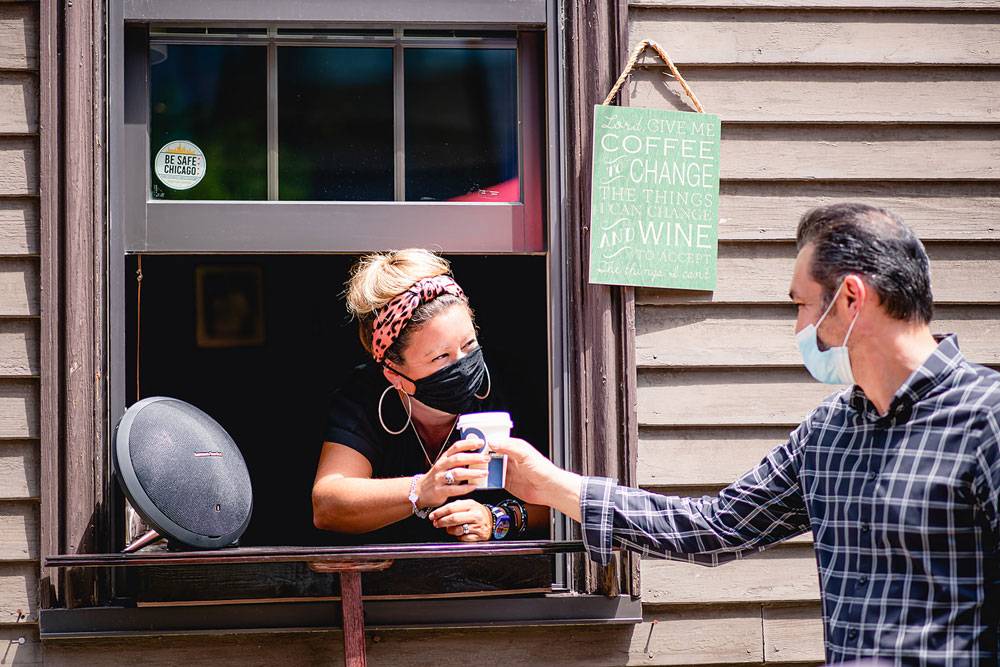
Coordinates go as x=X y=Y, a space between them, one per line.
x=496 y=224
x=82 y=264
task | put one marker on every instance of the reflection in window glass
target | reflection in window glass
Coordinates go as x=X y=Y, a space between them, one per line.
x=335 y=119
x=461 y=124
x=214 y=97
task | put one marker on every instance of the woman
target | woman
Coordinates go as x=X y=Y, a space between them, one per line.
x=387 y=465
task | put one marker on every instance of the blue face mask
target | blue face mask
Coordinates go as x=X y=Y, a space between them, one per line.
x=833 y=365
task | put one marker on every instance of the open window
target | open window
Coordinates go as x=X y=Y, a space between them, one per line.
x=259 y=159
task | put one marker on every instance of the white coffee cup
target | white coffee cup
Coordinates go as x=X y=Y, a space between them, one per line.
x=488 y=427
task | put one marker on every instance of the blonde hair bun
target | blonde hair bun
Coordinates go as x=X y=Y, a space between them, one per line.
x=379 y=277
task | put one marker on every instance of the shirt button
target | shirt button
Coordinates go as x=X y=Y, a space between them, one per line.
x=865 y=528
x=872 y=475
x=852 y=634
x=862 y=580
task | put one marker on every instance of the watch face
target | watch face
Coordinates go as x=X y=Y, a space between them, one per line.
x=500 y=528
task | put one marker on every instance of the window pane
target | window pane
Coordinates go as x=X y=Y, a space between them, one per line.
x=214 y=97
x=461 y=124
x=335 y=118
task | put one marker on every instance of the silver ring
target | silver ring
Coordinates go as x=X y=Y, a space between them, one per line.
x=449 y=478
x=465 y=529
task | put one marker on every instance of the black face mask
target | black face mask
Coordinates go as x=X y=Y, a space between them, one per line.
x=453 y=388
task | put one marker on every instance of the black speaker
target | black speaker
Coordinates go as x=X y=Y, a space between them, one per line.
x=182 y=473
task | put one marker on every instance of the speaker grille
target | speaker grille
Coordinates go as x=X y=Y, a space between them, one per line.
x=190 y=468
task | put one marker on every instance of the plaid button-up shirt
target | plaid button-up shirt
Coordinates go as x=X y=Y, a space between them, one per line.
x=903 y=509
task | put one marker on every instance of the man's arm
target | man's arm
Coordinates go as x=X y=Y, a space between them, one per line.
x=761 y=508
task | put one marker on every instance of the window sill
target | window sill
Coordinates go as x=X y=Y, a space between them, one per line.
x=426 y=611
x=551 y=609
x=352 y=554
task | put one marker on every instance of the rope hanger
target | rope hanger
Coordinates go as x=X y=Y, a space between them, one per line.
x=636 y=52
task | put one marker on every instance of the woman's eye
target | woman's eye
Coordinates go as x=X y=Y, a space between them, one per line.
x=471 y=343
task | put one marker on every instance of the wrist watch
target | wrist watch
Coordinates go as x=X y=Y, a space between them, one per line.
x=501 y=522
x=421 y=513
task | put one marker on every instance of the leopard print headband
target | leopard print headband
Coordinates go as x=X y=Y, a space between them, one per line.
x=397 y=313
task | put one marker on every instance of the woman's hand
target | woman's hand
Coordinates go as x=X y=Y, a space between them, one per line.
x=434 y=490
x=456 y=515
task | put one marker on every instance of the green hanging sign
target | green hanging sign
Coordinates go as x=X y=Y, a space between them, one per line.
x=654 y=216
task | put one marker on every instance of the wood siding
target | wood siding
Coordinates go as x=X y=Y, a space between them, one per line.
x=832 y=100
x=19 y=332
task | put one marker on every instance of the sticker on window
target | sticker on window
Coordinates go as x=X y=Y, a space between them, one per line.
x=180 y=165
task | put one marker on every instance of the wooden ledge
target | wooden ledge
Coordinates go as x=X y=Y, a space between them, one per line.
x=366 y=554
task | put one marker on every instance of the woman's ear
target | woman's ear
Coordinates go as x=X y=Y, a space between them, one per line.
x=392 y=376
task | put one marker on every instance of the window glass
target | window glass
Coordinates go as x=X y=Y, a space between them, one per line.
x=214 y=97
x=461 y=124
x=335 y=120
x=336 y=134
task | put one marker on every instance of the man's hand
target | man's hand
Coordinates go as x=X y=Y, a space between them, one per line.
x=536 y=480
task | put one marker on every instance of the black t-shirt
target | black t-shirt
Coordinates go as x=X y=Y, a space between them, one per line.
x=353 y=421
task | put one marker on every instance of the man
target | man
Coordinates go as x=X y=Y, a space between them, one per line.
x=897 y=476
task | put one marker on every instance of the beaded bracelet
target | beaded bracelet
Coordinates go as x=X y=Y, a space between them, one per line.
x=521 y=525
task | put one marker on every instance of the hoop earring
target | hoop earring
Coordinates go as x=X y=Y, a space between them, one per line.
x=489 y=384
x=409 y=411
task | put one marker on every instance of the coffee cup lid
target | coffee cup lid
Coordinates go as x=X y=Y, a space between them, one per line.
x=485 y=419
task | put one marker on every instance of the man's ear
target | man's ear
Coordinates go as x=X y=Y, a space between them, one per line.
x=857 y=294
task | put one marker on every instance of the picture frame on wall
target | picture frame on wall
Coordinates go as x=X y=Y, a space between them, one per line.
x=230 y=306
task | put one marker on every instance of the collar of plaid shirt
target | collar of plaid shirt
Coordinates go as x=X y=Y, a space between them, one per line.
x=903 y=510
x=921 y=383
